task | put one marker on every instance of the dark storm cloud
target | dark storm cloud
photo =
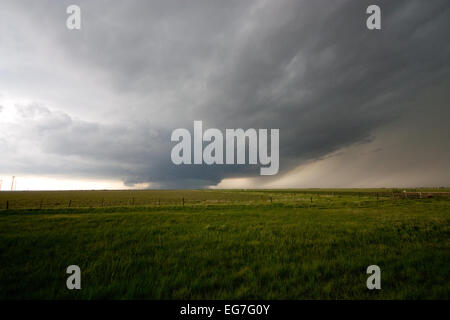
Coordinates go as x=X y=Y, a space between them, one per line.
x=309 y=68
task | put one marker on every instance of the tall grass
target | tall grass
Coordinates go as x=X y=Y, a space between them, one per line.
x=244 y=248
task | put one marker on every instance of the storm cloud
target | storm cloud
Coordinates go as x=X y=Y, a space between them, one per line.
x=103 y=101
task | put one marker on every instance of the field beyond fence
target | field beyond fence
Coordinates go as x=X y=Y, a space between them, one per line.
x=124 y=198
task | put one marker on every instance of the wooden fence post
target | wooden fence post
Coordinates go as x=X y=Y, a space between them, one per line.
x=270 y=199
x=70 y=202
x=182 y=201
x=7 y=204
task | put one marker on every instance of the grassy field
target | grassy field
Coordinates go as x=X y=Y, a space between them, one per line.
x=224 y=244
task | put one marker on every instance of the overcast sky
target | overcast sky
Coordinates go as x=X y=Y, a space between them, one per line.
x=95 y=108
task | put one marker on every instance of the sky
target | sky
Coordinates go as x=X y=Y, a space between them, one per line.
x=95 y=108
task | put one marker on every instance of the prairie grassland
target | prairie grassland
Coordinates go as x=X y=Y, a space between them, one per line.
x=224 y=244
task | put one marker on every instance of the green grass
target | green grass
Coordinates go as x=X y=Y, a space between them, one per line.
x=225 y=245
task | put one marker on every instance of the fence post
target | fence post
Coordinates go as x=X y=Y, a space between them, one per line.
x=70 y=202
x=182 y=201
x=103 y=201
x=311 y=199
x=7 y=204
x=270 y=199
